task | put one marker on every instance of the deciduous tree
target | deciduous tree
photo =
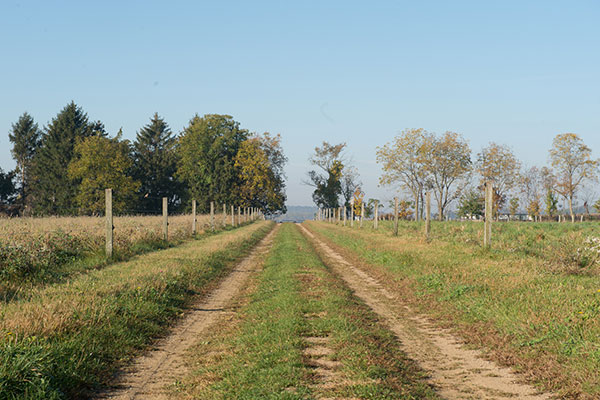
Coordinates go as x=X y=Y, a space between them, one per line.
x=498 y=164
x=103 y=163
x=327 y=181
x=471 y=204
x=448 y=163
x=573 y=164
x=404 y=162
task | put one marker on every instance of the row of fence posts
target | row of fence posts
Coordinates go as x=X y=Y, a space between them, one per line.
x=337 y=215
x=244 y=214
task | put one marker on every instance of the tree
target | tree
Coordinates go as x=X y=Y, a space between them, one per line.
x=260 y=161
x=349 y=183
x=54 y=192
x=573 y=164
x=7 y=187
x=103 y=163
x=471 y=204
x=551 y=203
x=370 y=207
x=498 y=164
x=404 y=162
x=357 y=200
x=207 y=150
x=448 y=164
x=405 y=209
x=328 y=181
x=531 y=182
x=513 y=206
x=155 y=157
x=25 y=137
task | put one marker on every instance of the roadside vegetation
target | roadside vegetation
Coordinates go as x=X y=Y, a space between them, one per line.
x=68 y=338
x=35 y=251
x=519 y=300
x=301 y=334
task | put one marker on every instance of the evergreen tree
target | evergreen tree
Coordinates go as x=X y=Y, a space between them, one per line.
x=25 y=137
x=54 y=192
x=207 y=152
x=156 y=164
x=7 y=187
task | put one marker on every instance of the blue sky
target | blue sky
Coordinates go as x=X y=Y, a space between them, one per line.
x=514 y=72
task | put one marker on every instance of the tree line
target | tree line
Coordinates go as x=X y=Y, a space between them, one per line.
x=417 y=161
x=64 y=168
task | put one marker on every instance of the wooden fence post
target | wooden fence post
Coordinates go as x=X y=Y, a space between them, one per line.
x=239 y=220
x=109 y=223
x=487 y=233
x=376 y=215
x=193 y=217
x=345 y=216
x=224 y=215
x=232 y=216
x=212 y=216
x=427 y=215
x=395 y=216
x=362 y=213
x=165 y=209
x=352 y=214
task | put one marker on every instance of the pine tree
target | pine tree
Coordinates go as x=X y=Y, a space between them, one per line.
x=156 y=165
x=25 y=137
x=54 y=192
x=7 y=188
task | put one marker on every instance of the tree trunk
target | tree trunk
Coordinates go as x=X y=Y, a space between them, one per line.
x=440 y=211
x=417 y=207
x=571 y=209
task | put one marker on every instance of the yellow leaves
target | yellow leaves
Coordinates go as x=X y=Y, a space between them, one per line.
x=572 y=161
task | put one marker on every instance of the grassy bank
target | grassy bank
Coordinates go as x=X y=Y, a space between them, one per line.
x=38 y=251
x=69 y=338
x=543 y=322
x=268 y=350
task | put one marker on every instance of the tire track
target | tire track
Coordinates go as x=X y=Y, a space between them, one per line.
x=149 y=376
x=457 y=372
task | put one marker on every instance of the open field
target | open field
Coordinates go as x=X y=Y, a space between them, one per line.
x=69 y=337
x=520 y=301
x=42 y=250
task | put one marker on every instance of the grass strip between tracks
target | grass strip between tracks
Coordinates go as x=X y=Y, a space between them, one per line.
x=543 y=323
x=71 y=337
x=301 y=334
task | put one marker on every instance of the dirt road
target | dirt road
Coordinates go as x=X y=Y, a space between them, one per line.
x=150 y=375
x=456 y=372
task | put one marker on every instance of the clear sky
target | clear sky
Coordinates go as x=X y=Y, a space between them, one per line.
x=514 y=72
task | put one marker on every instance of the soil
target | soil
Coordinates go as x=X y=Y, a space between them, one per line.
x=152 y=375
x=455 y=371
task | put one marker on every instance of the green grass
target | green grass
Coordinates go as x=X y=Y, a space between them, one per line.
x=69 y=338
x=261 y=354
x=543 y=321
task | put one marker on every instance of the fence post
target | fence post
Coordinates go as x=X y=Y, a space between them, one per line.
x=352 y=214
x=345 y=217
x=109 y=223
x=232 y=216
x=395 y=216
x=212 y=216
x=376 y=215
x=487 y=233
x=165 y=209
x=362 y=213
x=427 y=215
x=239 y=218
x=224 y=216
x=193 y=217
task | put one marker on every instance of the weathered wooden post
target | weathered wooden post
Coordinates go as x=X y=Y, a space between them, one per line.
x=376 y=215
x=427 y=216
x=109 y=223
x=165 y=209
x=239 y=221
x=224 y=215
x=345 y=216
x=212 y=215
x=395 y=216
x=352 y=213
x=193 y=217
x=362 y=213
x=487 y=233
